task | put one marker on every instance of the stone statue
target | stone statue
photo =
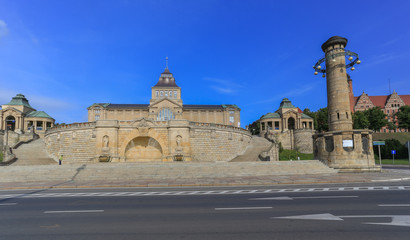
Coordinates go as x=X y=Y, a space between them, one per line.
x=178 y=140
x=106 y=141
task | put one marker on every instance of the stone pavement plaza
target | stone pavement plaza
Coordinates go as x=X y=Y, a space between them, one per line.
x=185 y=174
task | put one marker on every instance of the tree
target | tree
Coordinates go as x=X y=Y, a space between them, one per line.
x=403 y=117
x=322 y=120
x=360 y=120
x=254 y=128
x=312 y=115
x=377 y=118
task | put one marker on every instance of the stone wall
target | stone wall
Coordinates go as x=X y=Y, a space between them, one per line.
x=297 y=139
x=144 y=140
x=214 y=143
x=76 y=142
x=303 y=140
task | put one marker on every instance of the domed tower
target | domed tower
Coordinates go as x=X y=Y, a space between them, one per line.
x=166 y=88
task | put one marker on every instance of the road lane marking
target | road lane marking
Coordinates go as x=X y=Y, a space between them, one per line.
x=7 y=204
x=396 y=220
x=76 y=211
x=214 y=192
x=291 y=198
x=243 y=208
x=394 y=205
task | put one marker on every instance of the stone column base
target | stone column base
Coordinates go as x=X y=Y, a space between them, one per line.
x=348 y=151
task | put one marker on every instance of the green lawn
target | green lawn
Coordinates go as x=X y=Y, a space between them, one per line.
x=286 y=155
x=1 y=156
x=396 y=161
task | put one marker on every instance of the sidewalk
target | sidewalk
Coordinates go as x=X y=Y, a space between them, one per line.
x=174 y=175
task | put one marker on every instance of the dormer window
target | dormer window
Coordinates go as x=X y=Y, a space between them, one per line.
x=166 y=93
x=162 y=93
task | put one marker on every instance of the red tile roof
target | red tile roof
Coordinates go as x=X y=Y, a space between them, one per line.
x=405 y=98
x=380 y=101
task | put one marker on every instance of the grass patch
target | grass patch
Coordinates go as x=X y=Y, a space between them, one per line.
x=396 y=161
x=1 y=156
x=286 y=155
x=403 y=137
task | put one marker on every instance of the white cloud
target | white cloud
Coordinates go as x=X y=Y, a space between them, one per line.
x=224 y=86
x=3 y=29
x=289 y=94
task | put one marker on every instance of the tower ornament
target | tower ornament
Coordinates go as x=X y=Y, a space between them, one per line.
x=351 y=57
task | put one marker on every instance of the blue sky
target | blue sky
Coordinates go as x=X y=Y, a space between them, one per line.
x=65 y=55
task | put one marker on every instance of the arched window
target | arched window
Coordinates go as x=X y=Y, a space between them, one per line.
x=165 y=115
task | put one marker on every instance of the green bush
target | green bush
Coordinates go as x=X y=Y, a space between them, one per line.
x=391 y=144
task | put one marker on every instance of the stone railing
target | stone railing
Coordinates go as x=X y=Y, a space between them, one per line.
x=73 y=126
x=219 y=126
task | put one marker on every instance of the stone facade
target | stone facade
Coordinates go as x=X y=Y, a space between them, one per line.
x=389 y=104
x=19 y=116
x=289 y=126
x=342 y=147
x=145 y=140
x=166 y=104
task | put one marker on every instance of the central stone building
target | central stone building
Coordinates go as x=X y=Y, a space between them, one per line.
x=166 y=104
x=164 y=130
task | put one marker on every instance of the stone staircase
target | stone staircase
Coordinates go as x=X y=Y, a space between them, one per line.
x=256 y=147
x=32 y=153
x=159 y=171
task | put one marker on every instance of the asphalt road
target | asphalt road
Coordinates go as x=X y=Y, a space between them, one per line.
x=290 y=212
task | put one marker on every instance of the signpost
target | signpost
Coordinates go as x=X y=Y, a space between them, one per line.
x=392 y=153
x=408 y=149
x=378 y=143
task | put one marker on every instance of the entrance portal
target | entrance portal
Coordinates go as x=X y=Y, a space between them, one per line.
x=291 y=123
x=143 y=149
x=10 y=123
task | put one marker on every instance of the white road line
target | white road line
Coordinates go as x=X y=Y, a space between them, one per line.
x=243 y=208
x=291 y=198
x=394 y=205
x=76 y=211
x=214 y=192
x=7 y=204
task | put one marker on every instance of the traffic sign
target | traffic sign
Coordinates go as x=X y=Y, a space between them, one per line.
x=379 y=143
x=393 y=152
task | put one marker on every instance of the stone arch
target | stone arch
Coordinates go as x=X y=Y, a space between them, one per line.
x=10 y=122
x=156 y=142
x=143 y=149
x=291 y=123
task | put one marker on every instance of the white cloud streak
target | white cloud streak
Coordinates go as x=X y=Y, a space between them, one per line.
x=224 y=86
x=3 y=29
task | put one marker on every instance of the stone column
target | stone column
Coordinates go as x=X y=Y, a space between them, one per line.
x=338 y=101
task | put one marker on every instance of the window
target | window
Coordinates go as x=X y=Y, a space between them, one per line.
x=175 y=94
x=156 y=94
x=162 y=93
x=276 y=125
x=231 y=119
x=165 y=115
x=96 y=111
x=166 y=93
x=170 y=94
x=231 y=112
x=263 y=126
x=97 y=117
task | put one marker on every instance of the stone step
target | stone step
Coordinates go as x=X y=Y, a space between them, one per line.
x=133 y=171
x=256 y=147
x=32 y=153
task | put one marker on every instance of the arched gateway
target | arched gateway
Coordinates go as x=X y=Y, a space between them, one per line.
x=143 y=149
